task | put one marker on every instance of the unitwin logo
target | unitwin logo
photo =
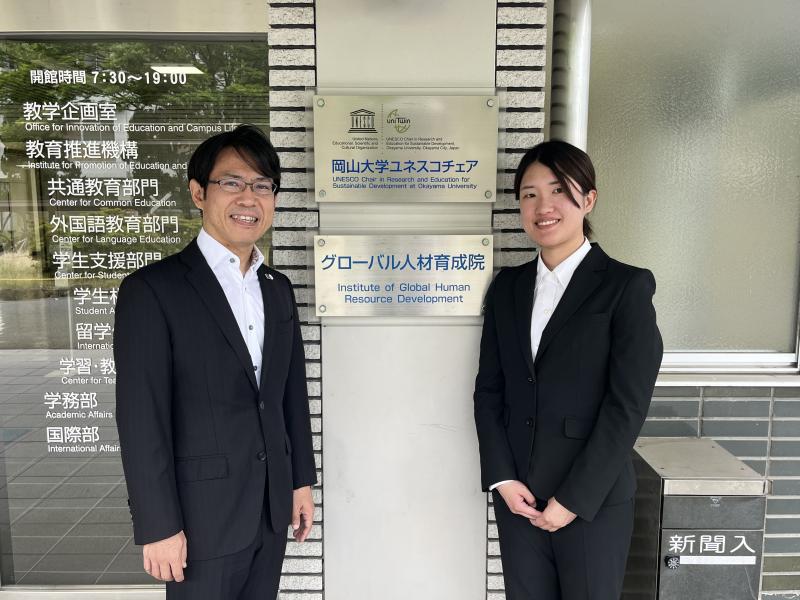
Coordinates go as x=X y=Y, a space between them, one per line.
x=401 y=124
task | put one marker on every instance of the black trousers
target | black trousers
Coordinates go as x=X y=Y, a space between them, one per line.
x=582 y=561
x=250 y=574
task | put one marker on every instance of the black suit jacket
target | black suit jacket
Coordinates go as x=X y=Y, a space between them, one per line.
x=201 y=442
x=566 y=422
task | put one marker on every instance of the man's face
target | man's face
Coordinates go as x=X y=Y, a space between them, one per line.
x=236 y=220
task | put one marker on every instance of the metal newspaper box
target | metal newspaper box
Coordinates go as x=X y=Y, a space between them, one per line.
x=699 y=524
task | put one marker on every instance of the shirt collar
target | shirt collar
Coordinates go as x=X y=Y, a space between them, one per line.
x=216 y=254
x=566 y=268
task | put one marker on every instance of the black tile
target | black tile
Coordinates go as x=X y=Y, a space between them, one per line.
x=24 y=563
x=789 y=583
x=783 y=506
x=48 y=578
x=737 y=392
x=782 y=525
x=786 y=408
x=785 y=428
x=108 y=515
x=784 y=487
x=49 y=467
x=110 y=529
x=82 y=490
x=781 y=564
x=32 y=491
x=32 y=545
x=90 y=545
x=673 y=408
x=73 y=563
x=784 y=467
x=128 y=563
x=139 y=578
x=671 y=428
x=102 y=467
x=745 y=447
x=46 y=529
x=784 y=448
x=84 y=503
x=736 y=408
x=51 y=516
x=676 y=392
x=725 y=428
x=782 y=545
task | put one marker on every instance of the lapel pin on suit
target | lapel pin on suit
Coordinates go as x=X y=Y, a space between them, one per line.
x=268 y=276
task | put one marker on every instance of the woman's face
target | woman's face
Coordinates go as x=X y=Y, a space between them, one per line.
x=548 y=215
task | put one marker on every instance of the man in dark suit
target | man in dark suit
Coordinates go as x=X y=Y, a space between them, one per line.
x=569 y=356
x=212 y=408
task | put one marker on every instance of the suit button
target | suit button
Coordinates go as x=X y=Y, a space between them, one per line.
x=529 y=422
x=262 y=456
x=261 y=405
x=530 y=379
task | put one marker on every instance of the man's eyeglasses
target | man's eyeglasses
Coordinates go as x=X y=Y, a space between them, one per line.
x=262 y=187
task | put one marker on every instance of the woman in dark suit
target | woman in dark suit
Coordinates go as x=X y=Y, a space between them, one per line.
x=569 y=356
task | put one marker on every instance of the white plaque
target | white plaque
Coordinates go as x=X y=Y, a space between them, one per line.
x=401 y=275
x=405 y=148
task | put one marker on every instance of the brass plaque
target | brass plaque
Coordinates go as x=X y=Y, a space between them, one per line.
x=405 y=148
x=401 y=275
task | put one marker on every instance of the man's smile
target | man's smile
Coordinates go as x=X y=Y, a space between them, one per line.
x=245 y=219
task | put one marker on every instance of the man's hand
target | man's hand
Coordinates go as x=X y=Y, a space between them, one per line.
x=519 y=499
x=554 y=517
x=165 y=560
x=302 y=513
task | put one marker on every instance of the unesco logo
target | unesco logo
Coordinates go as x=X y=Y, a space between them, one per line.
x=400 y=124
x=362 y=121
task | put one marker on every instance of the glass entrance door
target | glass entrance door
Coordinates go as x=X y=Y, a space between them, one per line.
x=94 y=139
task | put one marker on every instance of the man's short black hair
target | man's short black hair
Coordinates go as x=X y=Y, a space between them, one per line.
x=249 y=141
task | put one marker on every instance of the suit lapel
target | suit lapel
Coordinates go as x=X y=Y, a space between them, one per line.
x=268 y=292
x=523 y=302
x=584 y=281
x=205 y=283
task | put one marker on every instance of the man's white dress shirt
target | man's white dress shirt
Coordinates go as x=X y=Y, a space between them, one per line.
x=550 y=287
x=243 y=293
